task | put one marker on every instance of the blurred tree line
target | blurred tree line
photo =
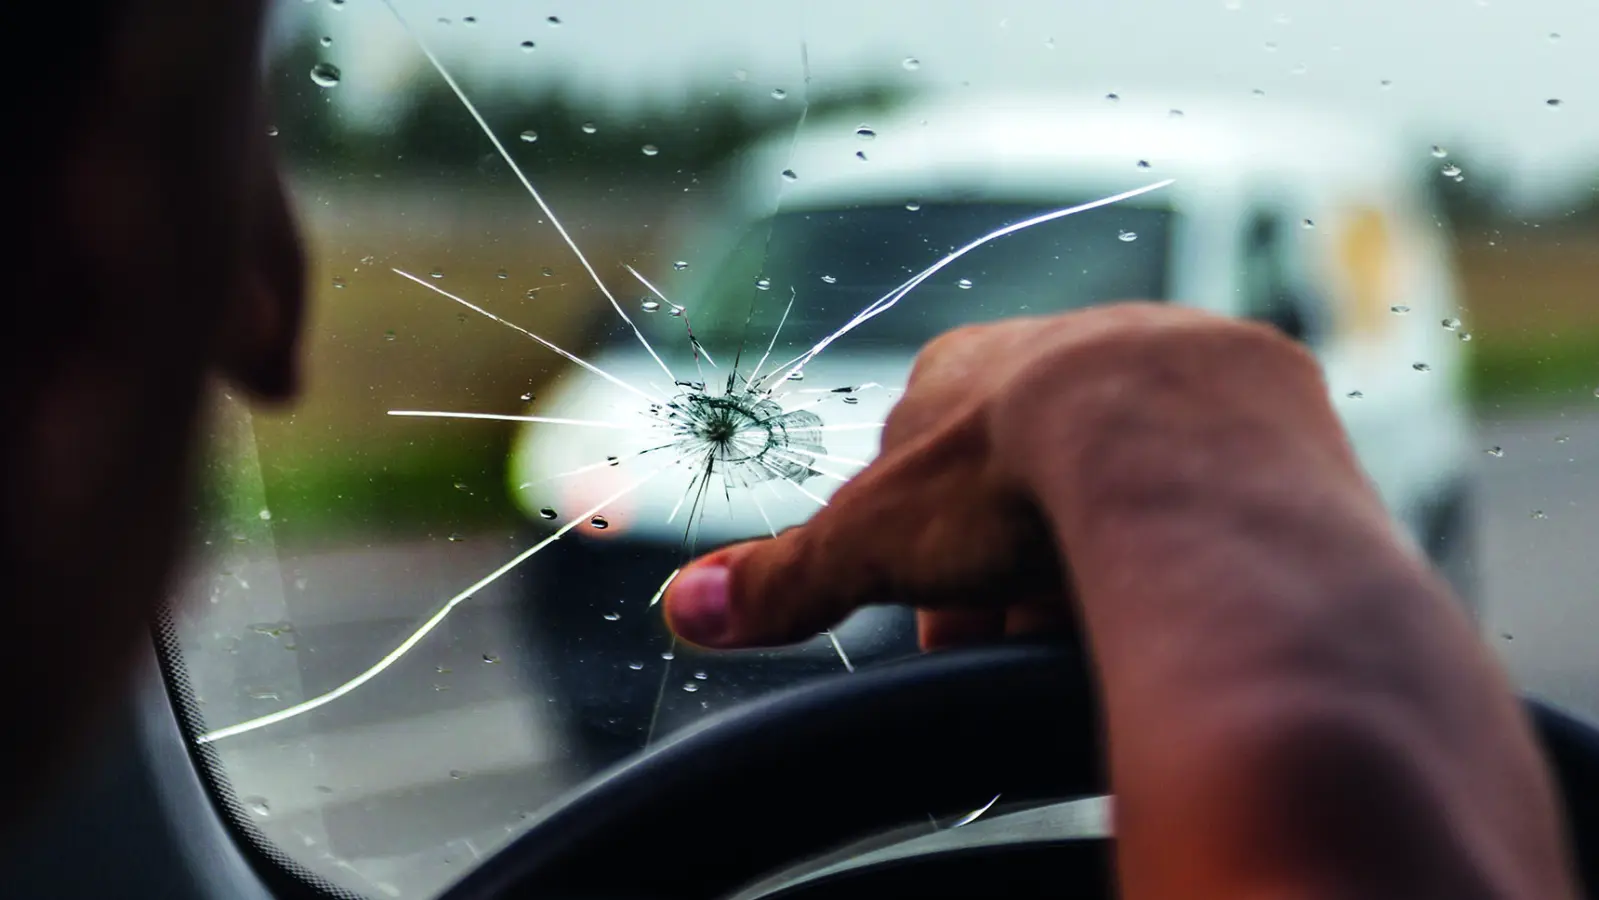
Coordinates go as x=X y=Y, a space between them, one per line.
x=433 y=135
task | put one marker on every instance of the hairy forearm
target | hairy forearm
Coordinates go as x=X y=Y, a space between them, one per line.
x=1296 y=706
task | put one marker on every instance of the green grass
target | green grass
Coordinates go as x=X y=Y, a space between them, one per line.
x=1535 y=369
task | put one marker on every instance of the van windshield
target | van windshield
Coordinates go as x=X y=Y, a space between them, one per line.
x=835 y=262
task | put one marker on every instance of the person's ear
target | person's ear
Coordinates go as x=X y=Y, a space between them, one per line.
x=259 y=344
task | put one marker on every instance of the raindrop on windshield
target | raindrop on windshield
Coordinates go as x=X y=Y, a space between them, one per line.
x=788 y=175
x=258 y=805
x=1421 y=367
x=1496 y=452
x=490 y=658
x=650 y=149
x=530 y=136
x=527 y=46
x=338 y=281
x=1439 y=152
x=911 y=63
x=1452 y=324
x=547 y=513
x=865 y=132
x=964 y=284
x=436 y=273
x=1113 y=97
x=763 y=283
x=325 y=75
x=1539 y=514
x=1399 y=309
x=668 y=655
x=779 y=94
x=1143 y=164
x=599 y=523
x=679 y=266
x=612 y=617
x=1308 y=224
x=1451 y=171
x=1127 y=237
x=635 y=666
x=455 y=538
x=555 y=21
x=830 y=279
x=1552 y=103
x=691 y=687
x=649 y=305
x=913 y=205
x=796 y=375
x=326 y=41
x=590 y=128
x=1355 y=395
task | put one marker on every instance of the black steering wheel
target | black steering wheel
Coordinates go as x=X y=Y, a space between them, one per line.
x=808 y=770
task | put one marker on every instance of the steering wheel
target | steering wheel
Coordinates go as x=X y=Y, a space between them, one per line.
x=807 y=770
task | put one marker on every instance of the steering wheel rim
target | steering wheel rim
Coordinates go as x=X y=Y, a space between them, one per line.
x=722 y=804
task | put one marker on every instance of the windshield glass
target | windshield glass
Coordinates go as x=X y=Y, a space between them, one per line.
x=597 y=288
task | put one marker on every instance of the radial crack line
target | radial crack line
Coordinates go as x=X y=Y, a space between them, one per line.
x=793 y=294
x=515 y=327
x=887 y=301
x=797 y=486
x=538 y=198
x=792 y=456
x=688 y=326
x=505 y=417
x=661 y=592
x=416 y=637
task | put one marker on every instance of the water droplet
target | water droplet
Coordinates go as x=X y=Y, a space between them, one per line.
x=1465 y=336
x=1399 y=309
x=547 y=272
x=913 y=205
x=455 y=538
x=264 y=515
x=442 y=670
x=1308 y=224
x=1539 y=514
x=547 y=513
x=1452 y=324
x=649 y=305
x=1552 y=103
x=763 y=283
x=1176 y=114
x=668 y=655
x=456 y=774
x=964 y=284
x=1507 y=635
x=1113 y=97
x=1450 y=171
x=490 y=658
x=788 y=175
x=1355 y=395
x=677 y=311
x=555 y=21
x=911 y=63
x=272 y=131
x=258 y=806
x=691 y=687
x=529 y=136
x=860 y=155
x=700 y=676
x=796 y=375
x=1386 y=83
x=851 y=401
x=470 y=20
x=680 y=265
x=436 y=273
x=590 y=127
x=599 y=523
x=1127 y=237
x=325 y=75
x=1439 y=152
x=338 y=281
x=1563 y=438
x=326 y=41
x=830 y=279
x=462 y=486
x=1421 y=367
x=613 y=460
x=779 y=94
x=650 y=150
x=368 y=260
x=1258 y=92
x=635 y=666
x=612 y=617
x=1143 y=164
x=865 y=132
x=1496 y=452
x=526 y=396
x=389 y=335
x=527 y=46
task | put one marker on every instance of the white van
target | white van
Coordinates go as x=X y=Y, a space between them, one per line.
x=1273 y=214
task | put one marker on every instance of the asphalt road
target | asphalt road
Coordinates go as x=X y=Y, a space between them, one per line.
x=394 y=789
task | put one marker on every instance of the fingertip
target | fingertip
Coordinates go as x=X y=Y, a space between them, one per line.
x=698 y=604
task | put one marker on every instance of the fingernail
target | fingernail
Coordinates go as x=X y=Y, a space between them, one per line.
x=699 y=605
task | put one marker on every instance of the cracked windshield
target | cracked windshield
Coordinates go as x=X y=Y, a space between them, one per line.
x=598 y=287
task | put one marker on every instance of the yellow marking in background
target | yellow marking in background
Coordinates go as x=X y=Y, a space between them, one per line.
x=1366 y=264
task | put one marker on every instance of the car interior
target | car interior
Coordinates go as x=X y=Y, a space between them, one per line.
x=305 y=723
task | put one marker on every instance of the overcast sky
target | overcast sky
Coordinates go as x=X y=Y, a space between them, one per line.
x=1478 y=73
